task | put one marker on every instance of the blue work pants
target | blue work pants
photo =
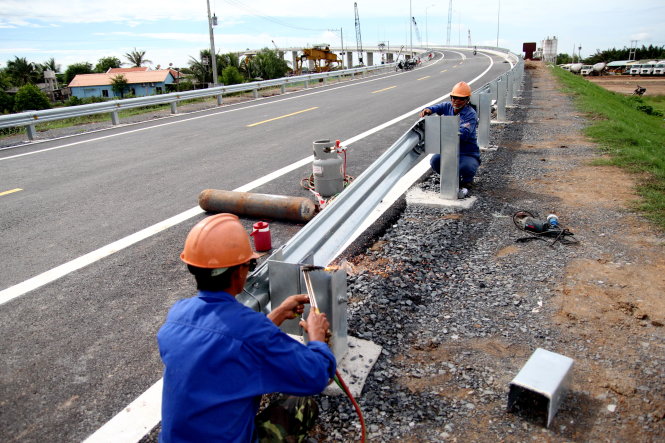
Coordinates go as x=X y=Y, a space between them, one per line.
x=468 y=165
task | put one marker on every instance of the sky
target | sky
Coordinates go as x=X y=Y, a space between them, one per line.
x=171 y=32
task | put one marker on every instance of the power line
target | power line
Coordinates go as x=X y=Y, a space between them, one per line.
x=254 y=12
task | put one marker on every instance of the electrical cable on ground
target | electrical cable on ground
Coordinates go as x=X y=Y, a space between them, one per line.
x=340 y=382
x=542 y=230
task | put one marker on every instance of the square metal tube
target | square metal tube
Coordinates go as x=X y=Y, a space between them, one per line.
x=538 y=389
x=286 y=279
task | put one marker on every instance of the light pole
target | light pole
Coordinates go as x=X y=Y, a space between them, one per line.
x=498 y=15
x=212 y=46
x=426 y=28
x=410 y=29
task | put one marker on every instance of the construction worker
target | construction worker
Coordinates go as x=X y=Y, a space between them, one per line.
x=469 y=152
x=221 y=356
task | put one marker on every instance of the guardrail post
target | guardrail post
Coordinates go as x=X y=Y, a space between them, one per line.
x=484 y=108
x=306 y=83
x=518 y=78
x=219 y=99
x=32 y=132
x=256 y=92
x=501 y=99
x=510 y=85
x=174 y=107
x=442 y=137
x=115 y=119
x=283 y=88
x=285 y=279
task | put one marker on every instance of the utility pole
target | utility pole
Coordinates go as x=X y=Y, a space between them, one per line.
x=411 y=29
x=450 y=21
x=212 y=46
x=341 y=37
x=633 y=50
x=498 y=15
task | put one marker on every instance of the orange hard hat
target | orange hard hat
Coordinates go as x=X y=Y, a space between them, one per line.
x=219 y=241
x=461 y=90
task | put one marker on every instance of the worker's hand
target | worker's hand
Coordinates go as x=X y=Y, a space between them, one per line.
x=290 y=308
x=426 y=111
x=317 y=326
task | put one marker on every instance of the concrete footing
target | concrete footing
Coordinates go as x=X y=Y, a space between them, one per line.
x=354 y=367
x=418 y=197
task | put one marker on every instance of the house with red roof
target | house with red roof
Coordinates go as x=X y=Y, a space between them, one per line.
x=140 y=82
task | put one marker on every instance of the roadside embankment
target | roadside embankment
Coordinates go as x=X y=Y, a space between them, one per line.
x=458 y=305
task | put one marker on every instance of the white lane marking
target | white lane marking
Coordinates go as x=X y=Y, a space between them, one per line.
x=91 y=257
x=214 y=114
x=134 y=421
x=60 y=271
x=149 y=416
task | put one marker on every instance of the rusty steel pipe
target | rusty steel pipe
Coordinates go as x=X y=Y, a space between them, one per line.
x=276 y=207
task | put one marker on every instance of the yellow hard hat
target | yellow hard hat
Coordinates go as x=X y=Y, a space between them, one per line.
x=219 y=241
x=461 y=90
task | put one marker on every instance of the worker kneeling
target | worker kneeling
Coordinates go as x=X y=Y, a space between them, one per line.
x=221 y=356
x=469 y=153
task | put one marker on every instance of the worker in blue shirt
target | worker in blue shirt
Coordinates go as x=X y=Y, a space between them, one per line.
x=469 y=153
x=221 y=356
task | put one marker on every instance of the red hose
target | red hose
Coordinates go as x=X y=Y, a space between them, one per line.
x=347 y=391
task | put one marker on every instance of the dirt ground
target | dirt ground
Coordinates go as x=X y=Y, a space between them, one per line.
x=609 y=307
x=615 y=302
x=626 y=84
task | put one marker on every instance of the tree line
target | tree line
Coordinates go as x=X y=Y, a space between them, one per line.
x=650 y=52
x=232 y=68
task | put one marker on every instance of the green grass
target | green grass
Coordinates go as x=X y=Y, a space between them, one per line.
x=630 y=130
x=657 y=102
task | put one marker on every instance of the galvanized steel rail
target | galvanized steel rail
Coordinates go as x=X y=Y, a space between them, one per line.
x=318 y=243
x=29 y=119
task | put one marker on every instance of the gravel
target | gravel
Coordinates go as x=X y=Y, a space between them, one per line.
x=456 y=324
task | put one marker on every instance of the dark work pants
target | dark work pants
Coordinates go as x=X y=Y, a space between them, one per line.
x=468 y=166
x=287 y=419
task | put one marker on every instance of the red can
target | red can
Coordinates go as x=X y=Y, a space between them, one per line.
x=261 y=235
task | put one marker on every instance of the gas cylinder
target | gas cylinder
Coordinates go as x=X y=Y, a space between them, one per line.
x=327 y=169
x=261 y=235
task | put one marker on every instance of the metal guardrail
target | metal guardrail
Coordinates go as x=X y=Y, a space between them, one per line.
x=319 y=241
x=29 y=119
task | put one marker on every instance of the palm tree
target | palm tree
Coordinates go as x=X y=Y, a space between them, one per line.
x=51 y=65
x=22 y=72
x=202 y=71
x=136 y=58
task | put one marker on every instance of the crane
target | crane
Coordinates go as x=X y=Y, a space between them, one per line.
x=359 y=40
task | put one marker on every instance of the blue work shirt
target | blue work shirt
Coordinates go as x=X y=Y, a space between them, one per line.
x=468 y=125
x=219 y=358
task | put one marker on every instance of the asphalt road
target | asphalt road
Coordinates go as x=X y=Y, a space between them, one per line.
x=78 y=349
